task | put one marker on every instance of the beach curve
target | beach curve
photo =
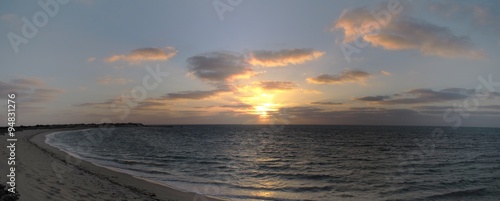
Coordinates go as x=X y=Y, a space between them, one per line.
x=46 y=173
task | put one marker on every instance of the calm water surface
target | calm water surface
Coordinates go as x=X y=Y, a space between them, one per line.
x=302 y=162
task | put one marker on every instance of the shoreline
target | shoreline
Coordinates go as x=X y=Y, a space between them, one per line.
x=47 y=173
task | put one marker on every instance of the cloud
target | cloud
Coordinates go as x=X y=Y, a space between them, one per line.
x=230 y=106
x=237 y=106
x=105 y=104
x=364 y=108
x=325 y=103
x=431 y=107
x=122 y=101
x=405 y=33
x=91 y=59
x=27 y=82
x=109 y=80
x=342 y=78
x=356 y=116
x=386 y=73
x=285 y=57
x=150 y=105
x=144 y=54
x=30 y=90
x=442 y=109
x=480 y=15
x=44 y=94
x=428 y=96
x=219 y=67
x=373 y=98
x=193 y=95
x=487 y=110
x=276 y=85
x=422 y=96
x=378 y=116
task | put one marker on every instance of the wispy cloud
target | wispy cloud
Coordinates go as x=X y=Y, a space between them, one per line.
x=109 y=80
x=144 y=54
x=325 y=103
x=237 y=106
x=342 y=78
x=386 y=73
x=422 y=96
x=193 y=95
x=30 y=90
x=284 y=57
x=105 y=104
x=479 y=14
x=405 y=33
x=373 y=98
x=363 y=116
x=151 y=105
x=148 y=104
x=276 y=85
x=444 y=108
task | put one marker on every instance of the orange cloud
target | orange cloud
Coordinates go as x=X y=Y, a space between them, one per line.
x=267 y=58
x=342 y=78
x=144 y=54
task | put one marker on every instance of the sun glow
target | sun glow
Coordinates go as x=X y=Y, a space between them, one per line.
x=264 y=109
x=262 y=105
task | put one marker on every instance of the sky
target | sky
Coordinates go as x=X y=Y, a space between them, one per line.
x=251 y=62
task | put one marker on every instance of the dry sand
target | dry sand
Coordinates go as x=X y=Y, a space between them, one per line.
x=46 y=173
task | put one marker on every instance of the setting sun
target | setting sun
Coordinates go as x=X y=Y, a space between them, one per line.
x=262 y=104
x=263 y=109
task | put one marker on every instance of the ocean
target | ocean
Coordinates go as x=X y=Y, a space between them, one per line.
x=296 y=162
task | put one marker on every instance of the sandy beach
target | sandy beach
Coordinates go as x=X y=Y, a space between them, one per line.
x=46 y=173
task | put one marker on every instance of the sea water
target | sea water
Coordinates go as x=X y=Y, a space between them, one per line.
x=294 y=162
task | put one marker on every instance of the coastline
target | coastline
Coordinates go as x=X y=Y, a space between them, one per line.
x=44 y=172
